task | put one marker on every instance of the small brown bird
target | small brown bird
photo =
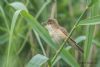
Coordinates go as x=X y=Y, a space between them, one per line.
x=59 y=33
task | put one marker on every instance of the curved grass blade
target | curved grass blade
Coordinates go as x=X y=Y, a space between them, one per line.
x=80 y=39
x=14 y=19
x=37 y=61
x=90 y=21
x=18 y=6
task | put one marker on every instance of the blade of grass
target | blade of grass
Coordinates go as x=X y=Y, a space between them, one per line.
x=18 y=6
x=43 y=7
x=90 y=21
x=14 y=19
x=40 y=43
x=3 y=39
x=88 y=42
x=80 y=39
x=37 y=61
x=5 y=18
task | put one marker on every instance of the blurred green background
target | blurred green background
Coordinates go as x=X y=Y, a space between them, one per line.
x=19 y=43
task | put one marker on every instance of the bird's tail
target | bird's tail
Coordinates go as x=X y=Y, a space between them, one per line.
x=74 y=44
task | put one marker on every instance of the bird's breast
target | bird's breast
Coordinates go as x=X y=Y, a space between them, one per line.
x=57 y=35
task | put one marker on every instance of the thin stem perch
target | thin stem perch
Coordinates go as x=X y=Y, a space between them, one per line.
x=63 y=44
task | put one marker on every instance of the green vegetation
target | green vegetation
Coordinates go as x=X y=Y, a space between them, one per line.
x=24 y=41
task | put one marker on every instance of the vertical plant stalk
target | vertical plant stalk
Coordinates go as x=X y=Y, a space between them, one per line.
x=15 y=16
x=90 y=35
x=91 y=56
x=40 y=43
x=53 y=9
x=63 y=44
x=71 y=11
x=42 y=8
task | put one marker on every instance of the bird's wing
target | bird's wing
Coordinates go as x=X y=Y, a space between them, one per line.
x=64 y=31
x=73 y=43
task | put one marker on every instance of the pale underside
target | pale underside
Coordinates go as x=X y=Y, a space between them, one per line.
x=56 y=34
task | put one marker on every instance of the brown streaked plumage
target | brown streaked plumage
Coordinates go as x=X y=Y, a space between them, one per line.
x=59 y=33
